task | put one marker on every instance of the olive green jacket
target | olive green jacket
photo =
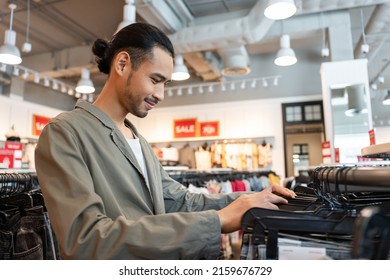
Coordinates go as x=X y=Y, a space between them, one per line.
x=99 y=204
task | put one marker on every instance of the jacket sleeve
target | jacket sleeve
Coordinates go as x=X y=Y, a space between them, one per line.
x=85 y=231
x=178 y=198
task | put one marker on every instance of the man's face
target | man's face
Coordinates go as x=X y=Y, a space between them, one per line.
x=145 y=86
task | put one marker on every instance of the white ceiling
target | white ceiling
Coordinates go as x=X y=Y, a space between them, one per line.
x=62 y=31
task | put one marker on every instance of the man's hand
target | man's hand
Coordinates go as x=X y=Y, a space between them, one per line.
x=230 y=216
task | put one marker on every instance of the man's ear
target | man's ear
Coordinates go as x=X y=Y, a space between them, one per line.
x=122 y=60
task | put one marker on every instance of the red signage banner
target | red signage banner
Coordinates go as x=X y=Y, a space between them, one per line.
x=184 y=128
x=371 y=134
x=38 y=123
x=209 y=128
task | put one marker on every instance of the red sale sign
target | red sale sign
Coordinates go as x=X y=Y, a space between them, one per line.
x=184 y=128
x=209 y=128
x=38 y=123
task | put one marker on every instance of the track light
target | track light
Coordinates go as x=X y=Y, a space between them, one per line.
x=36 y=78
x=253 y=84
x=85 y=84
x=286 y=55
x=46 y=82
x=280 y=9
x=25 y=74
x=180 y=72
x=9 y=53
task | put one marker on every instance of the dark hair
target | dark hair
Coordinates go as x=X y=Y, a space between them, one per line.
x=137 y=39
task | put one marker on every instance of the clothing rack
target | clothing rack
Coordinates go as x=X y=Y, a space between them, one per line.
x=222 y=173
x=344 y=210
x=14 y=183
x=354 y=178
x=25 y=228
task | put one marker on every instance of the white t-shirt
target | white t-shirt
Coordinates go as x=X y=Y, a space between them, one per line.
x=136 y=147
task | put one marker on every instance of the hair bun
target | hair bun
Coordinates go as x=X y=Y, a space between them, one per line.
x=99 y=50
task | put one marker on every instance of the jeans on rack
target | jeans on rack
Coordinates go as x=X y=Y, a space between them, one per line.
x=27 y=236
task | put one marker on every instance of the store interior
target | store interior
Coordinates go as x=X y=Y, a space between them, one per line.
x=300 y=112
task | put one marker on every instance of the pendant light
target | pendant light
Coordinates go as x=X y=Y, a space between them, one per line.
x=128 y=14
x=27 y=45
x=286 y=55
x=9 y=53
x=280 y=9
x=180 y=72
x=85 y=84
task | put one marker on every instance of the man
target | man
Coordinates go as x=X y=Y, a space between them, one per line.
x=106 y=193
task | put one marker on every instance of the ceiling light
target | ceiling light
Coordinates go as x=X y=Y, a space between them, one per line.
x=90 y=99
x=356 y=102
x=235 y=61
x=55 y=85
x=25 y=74
x=381 y=79
x=128 y=14
x=200 y=89
x=46 y=82
x=365 y=48
x=85 y=84
x=386 y=101
x=9 y=53
x=265 y=83
x=36 y=78
x=280 y=9
x=180 y=72
x=27 y=46
x=253 y=84
x=325 y=52
x=16 y=71
x=285 y=55
x=189 y=90
x=63 y=88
